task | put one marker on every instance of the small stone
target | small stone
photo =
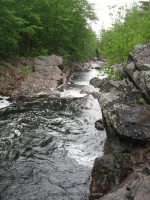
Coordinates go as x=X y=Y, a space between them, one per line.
x=129 y=194
x=99 y=125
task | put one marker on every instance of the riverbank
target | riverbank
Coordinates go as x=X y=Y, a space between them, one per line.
x=123 y=173
x=29 y=77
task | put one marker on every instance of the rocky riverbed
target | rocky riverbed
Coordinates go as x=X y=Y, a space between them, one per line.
x=48 y=144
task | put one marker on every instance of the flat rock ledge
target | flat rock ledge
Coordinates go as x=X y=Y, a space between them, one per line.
x=123 y=173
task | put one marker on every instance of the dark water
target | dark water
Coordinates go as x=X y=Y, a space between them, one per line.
x=48 y=146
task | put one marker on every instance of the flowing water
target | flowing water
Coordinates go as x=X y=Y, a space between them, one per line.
x=48 y=145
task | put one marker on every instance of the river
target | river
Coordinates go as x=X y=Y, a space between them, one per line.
x=48 y=145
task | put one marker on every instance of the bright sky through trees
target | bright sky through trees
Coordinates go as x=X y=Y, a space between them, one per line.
x=102 y=11
x=116 y=43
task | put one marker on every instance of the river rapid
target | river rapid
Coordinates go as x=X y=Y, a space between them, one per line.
x=48 y=145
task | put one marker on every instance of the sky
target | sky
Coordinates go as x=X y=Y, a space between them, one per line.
x=102 y=10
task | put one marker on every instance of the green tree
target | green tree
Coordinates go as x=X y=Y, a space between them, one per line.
x=9 y=27
x=35 y=27
x=116 y=43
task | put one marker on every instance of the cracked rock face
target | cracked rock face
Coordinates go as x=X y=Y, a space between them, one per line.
x=125 y=120
x=138 y=189
x=133 y=123
x=42 y=75
x=123 y=173
x=138 y=69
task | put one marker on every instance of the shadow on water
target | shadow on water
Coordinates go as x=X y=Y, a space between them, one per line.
x=48 y=146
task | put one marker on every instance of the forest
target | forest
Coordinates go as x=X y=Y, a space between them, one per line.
x=35 y=27
x=62 y=27
x=116 y=43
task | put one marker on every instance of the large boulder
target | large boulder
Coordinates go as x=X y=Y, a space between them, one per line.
x=108 y=172
x=138 y=69
x=96 y=82
x=31 y=76
x=125 y=120
x=52 y=60
x=133 y=122
x=42 y=61
x=125 y=170
x=129 y=122
x=135 y=187
x=123 y=173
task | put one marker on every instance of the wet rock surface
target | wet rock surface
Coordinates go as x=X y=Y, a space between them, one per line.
x=133 y=123
x=99 y=124
x=41 y=143
x=48 y=145
x=114 y=169
x=124 y=119
x=138 y=190
x=124 y=172
x=127 y=127
x=96 y=82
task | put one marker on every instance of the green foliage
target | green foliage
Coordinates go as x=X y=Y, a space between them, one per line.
x=112 y=73
x=109 y=71
x=4 y=64
x=35 y=27
x=141 y=101
x=116 y=43
x=25 y=70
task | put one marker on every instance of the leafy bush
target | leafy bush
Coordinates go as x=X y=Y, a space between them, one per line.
x=25 y=70
x=141 y=101
x=112 y=73
x=4 y=64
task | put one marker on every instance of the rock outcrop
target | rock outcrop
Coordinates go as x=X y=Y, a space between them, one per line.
x=124 y=171
x=30 y=76
x=138 y=69
x=135 y=189
x=111 y=170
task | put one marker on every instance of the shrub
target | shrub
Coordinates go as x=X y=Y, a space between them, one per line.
x=141 y=101
x=25 y=70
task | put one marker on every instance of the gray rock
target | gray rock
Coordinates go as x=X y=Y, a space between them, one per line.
x=131 y=68
x=127 y=122
x=147 y=81
x=139 y=191
x=43 y=74
x=133 y=123
x=124 y=173
x=125 y=170
x=99 y=125
x=52 y=60
x=96 y=82
x=140 y=57
x=117 y=67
